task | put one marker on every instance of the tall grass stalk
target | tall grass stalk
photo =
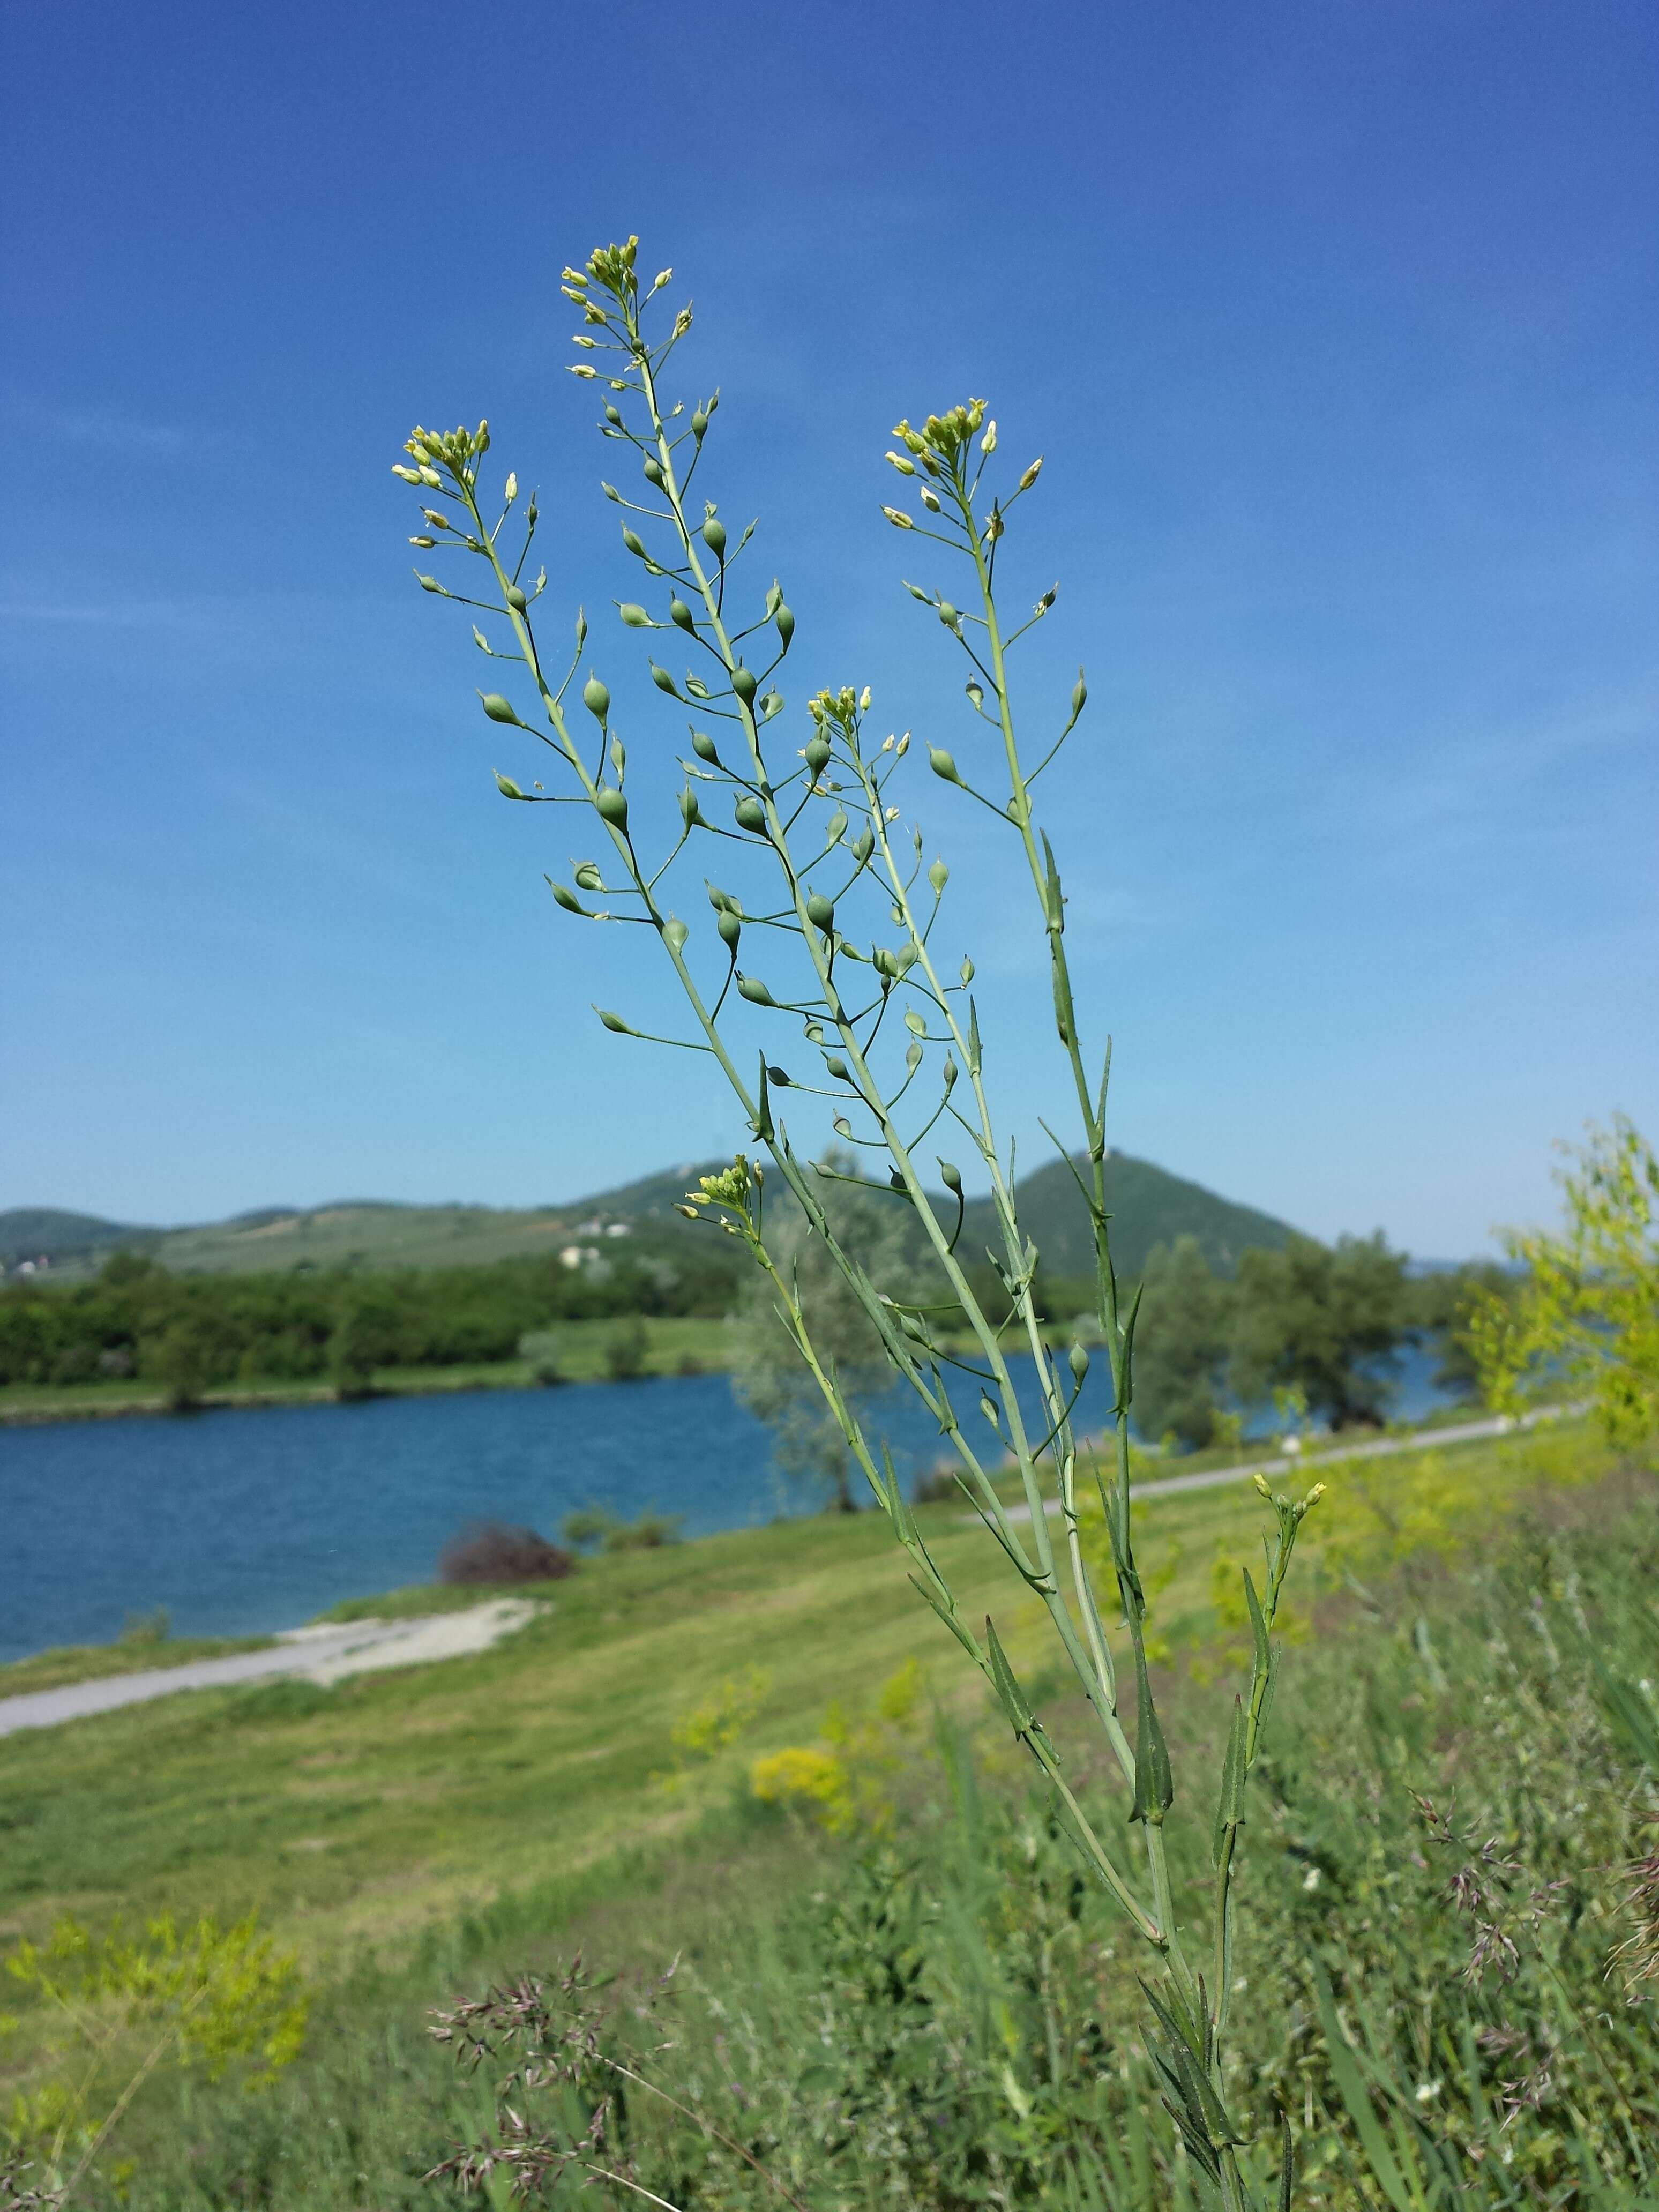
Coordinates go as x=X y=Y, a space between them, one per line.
x=886 y=1026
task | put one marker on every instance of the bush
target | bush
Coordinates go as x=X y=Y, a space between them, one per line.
x=625 y=1351
x=489 y=1551
x=592 y=1527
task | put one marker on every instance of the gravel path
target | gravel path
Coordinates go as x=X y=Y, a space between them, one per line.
x=326 y=1653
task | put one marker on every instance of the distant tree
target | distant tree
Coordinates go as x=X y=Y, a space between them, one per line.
x=123 y=1268
x=1314 y=1315
x=1443 y=1304
x=625 y=1349
x=769 y=1375
x=355 y=1349
x=1182 y=1344
x=181 y=1363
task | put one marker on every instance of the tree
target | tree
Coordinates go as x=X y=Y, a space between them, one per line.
x=1313 y=1315
x=1587 y=1315
x=355 y=1349
x=771 y=1377
x=1181 y=1341
x=181 y=1365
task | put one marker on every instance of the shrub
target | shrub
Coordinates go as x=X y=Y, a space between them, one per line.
x=491 y=1552
x=625 y=1349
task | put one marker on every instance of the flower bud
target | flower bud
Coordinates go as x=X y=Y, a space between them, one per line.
x=510 y=489
x=930 y=500
x=899 y=521
x=1032 y=474
x=713 y=537
x=635 y=617
x=580 y=369
x=498 y=709
x=596 y=698
x=703 y=745
x=987 y=444
x=409 y=476
x=1261 y=1482
x=942 y=764
x=905 y=467
x=612 y=807
x=425 y=544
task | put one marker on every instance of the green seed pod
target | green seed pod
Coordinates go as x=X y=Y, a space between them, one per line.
x=1079 y=693
x=948 y=614
x=948 y=1072
x=786 y=623
x=703 y=745
x=653 y=469
x=863 y=845
x=615 y=1022
x=752 y=988
x=942 y=764
x=750 y=815
x=820 y=911
x=771 y=704
x=745 y=684
x=567 y=899
x=915 y=1023
x=613 y=415
x=505 y=785
x=780 y=1076
x=835 y=828
x=838 y=1068
x=976 y=693
x=680 y=613
x=883 y=962
x=675 y=933
x=938 y=875
x=516 y=599
x=690 y=812
x=818 y=754
x=966 y=970
x=952 y=1176
x=596 y=698
x=498 y=709
x=431 y=584
x=612 y=807
x=587 y=875
x=730 y=927
x=713 y=537
x=425 y=544
x=634 y=542
x=699 y=425
x=1077 y=1360
x=635 y=617
x=663 y=680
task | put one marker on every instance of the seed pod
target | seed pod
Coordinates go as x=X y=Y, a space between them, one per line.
x=615 y=1022
x=942 y=764
x=786 y=623
x=948 y=614
x=780 y=1076
x=745 y=684
x=730 y=928
x=690 y=812
x=612 y=807
x=1077 y=1360
x=652 y=469
x=663 y=680
x=1079 y=693
x=567 y=899
x=752 y=988
x=703 y=745
x=596 y=698
x=713 y=537
x=516 y=599
x=1032 y=474
x=634 y=542
x=750 y=815
x=675 y=932
x=930 y=500
x=635 y=617
x=699 y=425
x=838 y=1068
x=952 y=1176
x=771 y=704
x=864 y=844
x=498 y=709
x=976 y=691
x=835 y=828
x=948 y=1072
x=820 y=911
x=818 y=755
x=938 y=875
x=588 y=877
x=883 y=963
x=680 y=613
x=431 y=584
x=505 y=785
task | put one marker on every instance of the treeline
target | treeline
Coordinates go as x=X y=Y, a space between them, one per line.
x=186 y=1333
x=1317 y=1325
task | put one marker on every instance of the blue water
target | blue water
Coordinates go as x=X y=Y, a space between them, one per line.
x=244 y=1522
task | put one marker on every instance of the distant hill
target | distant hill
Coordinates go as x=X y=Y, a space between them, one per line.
x=1149 y=1207
x=33 y=1232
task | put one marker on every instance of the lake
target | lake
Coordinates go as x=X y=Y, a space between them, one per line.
x=240 y=1522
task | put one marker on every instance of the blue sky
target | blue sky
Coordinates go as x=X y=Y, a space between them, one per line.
x=1336 y=326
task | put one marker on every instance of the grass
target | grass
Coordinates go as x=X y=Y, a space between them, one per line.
x=673 y=1343
x=91 y=1663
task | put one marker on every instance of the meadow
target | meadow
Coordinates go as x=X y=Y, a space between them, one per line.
x=858 y=2006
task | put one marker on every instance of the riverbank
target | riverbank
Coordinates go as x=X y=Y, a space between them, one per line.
x=673 y=1346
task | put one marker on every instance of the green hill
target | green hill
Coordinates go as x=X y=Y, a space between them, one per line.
x=1149 y=1207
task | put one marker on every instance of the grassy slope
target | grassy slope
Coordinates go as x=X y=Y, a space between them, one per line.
x=91 y=1663
x=397 y=1800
